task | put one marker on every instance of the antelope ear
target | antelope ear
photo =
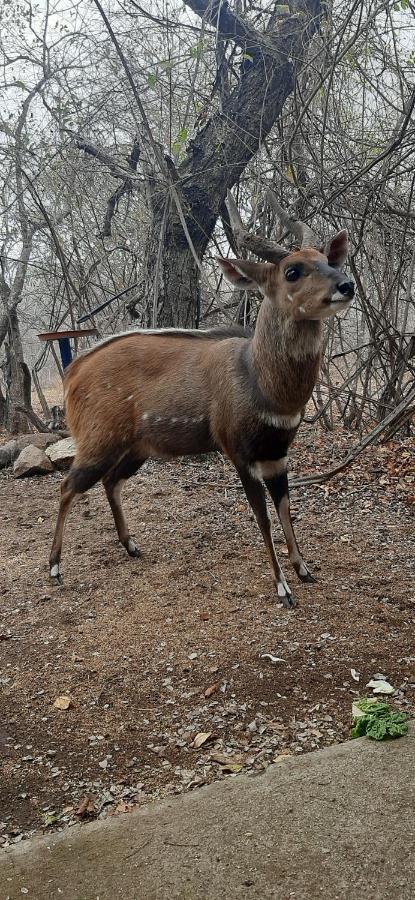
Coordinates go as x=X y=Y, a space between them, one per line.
x=243 y=273
x=337 y=248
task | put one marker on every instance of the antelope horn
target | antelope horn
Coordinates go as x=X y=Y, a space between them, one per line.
x=304 y=234
x=261 y=246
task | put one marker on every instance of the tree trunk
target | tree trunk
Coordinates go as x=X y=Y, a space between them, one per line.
x=217 y=156
x=171 y=291
x=2 y=407
x=17 y=377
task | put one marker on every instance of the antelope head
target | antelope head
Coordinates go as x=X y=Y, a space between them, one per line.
x=306 y=284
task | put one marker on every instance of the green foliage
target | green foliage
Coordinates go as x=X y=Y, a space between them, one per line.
x=152 y=80
x=180 y=141
x=401 y=4
x=166 y=64
x=378 y=721
x=197 y=51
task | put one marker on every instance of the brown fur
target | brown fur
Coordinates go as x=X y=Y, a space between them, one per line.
x=168 y=394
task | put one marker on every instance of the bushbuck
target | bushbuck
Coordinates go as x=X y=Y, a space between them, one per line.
x=170 y=392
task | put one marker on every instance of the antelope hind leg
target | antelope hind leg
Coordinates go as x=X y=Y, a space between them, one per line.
x=113 y=483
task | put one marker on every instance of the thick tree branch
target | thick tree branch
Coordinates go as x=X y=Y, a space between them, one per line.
x=220 y=152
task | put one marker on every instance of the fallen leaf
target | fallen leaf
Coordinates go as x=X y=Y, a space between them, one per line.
x=281 y=757
x=50 y=819
x=380 y=687
x=86 y=807
x=123 y=807
x=224 y=761
x=63 y=702
x=233 y=768
x=201 y=739
x=273 y=659
x=211 y=689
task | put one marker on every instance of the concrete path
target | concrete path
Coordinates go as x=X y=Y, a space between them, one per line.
x=338 y=823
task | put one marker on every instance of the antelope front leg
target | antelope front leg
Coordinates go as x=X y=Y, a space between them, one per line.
x=277 y=485
x=255 y=493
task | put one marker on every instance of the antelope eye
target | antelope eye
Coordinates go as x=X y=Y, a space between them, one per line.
x=292 y=273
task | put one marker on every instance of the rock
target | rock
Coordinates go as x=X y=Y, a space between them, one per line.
x=37 y=439
x=32 y=461
x=8 y=453
x=62 y=453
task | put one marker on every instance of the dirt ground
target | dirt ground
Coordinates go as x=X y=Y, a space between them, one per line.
x=162 y=657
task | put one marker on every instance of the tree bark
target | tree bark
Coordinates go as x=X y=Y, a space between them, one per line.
x=2 y=407
x=17 y=377
x=217 y=156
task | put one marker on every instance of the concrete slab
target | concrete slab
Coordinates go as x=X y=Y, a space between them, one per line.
x=338 y=823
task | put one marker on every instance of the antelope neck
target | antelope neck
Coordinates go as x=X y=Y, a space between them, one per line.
x=285 y=356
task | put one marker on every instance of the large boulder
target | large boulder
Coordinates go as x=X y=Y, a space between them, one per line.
x=32 y=461
x=62 y=453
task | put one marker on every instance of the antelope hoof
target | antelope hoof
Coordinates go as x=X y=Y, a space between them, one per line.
x=285 y=595
x=289 y=602
x=132 y=549
x=308 y=578
x=55 y=575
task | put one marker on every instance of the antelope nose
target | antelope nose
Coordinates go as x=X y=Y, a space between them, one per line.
x=346 y=288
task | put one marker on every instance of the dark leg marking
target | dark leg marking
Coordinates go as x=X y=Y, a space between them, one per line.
x=113 y=483
x=255 y=493
x=278 y=490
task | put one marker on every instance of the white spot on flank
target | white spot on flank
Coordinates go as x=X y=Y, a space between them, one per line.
x=145 y=416
x=302 y=309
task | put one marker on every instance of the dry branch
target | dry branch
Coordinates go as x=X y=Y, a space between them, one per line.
x=393 y=417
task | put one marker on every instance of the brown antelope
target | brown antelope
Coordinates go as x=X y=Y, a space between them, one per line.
x=172 y=392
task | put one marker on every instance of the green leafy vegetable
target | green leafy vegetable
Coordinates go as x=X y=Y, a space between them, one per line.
x=378 y=721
